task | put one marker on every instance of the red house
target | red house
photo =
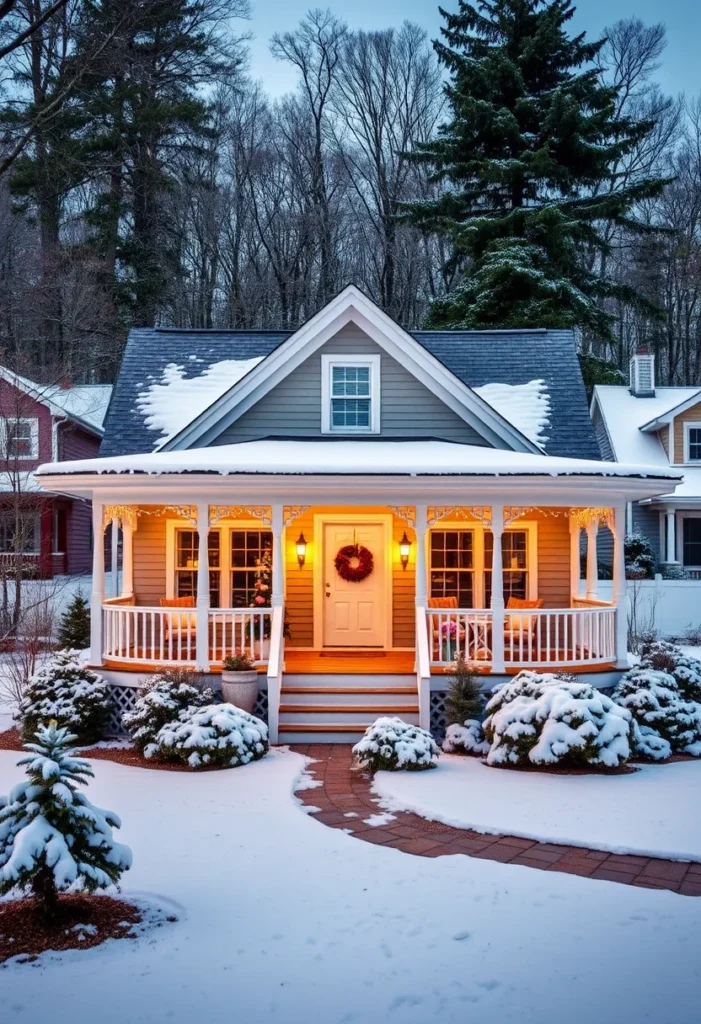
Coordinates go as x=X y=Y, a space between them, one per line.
x=49 y=533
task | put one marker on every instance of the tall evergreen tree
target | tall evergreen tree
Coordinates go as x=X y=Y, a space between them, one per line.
x=532 y=137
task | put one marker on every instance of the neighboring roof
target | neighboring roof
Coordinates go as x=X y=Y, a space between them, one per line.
x=85 y=403
x=624 y=417
x=682 y=404
x=362 y=458
x=477 y=358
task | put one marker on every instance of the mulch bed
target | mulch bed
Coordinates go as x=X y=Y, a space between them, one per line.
x=84 y=921
x=10 y=740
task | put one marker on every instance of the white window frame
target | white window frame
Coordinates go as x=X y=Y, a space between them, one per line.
x=34 y=435
x=36 y=537
x=373 y=363
x=479 y=569
x=688 y=427
x=224 y=528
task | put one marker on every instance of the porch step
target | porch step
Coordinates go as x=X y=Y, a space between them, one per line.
x=314 y=732
x=370 y=697
x=345 y=716
x=338 y=712
x=336 y=682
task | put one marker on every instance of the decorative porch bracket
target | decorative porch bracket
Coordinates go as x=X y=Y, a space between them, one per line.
x=292 y=512
x=405 y=512
x=218 y=512
x=482 y=513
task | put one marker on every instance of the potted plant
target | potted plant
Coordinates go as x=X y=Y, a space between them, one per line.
x=239 y=681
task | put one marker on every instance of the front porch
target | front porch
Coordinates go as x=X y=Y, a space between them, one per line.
x=498 y=584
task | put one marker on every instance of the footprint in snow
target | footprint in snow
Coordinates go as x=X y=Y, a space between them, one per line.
x=460 y=936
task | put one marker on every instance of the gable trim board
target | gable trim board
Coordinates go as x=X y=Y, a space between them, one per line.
x=667 y=418
x=351 y=306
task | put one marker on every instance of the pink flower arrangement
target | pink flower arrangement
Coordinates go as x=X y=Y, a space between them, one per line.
x=452 y=631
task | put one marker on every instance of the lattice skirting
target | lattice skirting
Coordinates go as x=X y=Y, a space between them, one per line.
x=438 y=722
x=123 y=698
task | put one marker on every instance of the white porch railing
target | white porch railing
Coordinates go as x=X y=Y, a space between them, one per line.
x=275 y=669
x=533 y=637
x=168 y=636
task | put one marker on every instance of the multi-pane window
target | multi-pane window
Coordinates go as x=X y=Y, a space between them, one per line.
x=694 y=443
x=19 y=534
x=251 y=559
x=21 y=438
x=452 y=565
x=351 y=398
x=692 y=541
x=514 y=548
x=186 y=565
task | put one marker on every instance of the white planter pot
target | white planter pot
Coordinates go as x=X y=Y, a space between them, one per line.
x=240 y=689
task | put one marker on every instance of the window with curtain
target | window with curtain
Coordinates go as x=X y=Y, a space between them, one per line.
x=186 y=565
x=251 y=557
x=452 y=570
x=514 y=546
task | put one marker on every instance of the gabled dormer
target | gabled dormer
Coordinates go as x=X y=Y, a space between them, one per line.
x=679 y=430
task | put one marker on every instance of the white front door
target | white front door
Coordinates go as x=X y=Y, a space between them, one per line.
x=354 y=613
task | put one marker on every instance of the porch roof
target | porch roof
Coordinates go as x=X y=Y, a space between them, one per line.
x=366 y=458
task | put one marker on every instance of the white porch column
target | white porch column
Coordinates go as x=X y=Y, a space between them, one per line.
x=276 y=522
x=127 y=557
x=421 y=581
x=671 y=536
x=114 y=558
x=592 y=562
x=575 y=559
x=498 y=664
x=620 y=599
x=202 y=639
x=98 y=583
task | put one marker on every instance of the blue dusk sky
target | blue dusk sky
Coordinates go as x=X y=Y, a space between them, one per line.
x=679 y=71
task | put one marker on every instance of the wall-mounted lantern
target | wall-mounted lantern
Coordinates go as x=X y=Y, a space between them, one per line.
x=404 y=549
x=301 y=546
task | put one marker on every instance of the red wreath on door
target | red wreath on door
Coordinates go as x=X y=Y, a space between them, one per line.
x=354 y=563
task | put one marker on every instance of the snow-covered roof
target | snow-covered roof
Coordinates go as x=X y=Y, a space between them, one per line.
x=173 y=400
x=18 y=483
x=86 y=403
x=361 y=458
x=624 y=416
x=527 y=406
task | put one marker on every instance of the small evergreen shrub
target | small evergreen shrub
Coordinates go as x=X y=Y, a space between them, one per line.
x=549 y=719
x=464 y=698
x=67 y=692
x=657 y=704
x=159 y=704
x=663 y=656
x=52 y=837
x=465 y=738
x=639 y=557
x=216 y=736
x=391 y=744
x=74 y=629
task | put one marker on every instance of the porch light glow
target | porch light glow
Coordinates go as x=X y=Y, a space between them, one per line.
x=301 y=546
x=404 y=549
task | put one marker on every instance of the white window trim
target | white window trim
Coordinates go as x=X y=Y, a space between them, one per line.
x=223 y=528
x=530 y=528
x=688 y=427
x=681 y=516
x=34 y=431
x=374 y=363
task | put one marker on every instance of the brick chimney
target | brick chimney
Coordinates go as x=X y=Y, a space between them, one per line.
x=642 y=373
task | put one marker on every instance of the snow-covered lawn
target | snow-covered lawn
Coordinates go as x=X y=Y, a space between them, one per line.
x=653 y=811
x=284 y=920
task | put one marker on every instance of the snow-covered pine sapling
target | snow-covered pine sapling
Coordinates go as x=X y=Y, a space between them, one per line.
x=69 y=693
x=390 y=744
x=51 y=836
x=159 y=704
x=464 y=699
x=74 y=630
x=550 y=720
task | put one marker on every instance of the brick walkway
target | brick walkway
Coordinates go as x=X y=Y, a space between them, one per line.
x=345 y=800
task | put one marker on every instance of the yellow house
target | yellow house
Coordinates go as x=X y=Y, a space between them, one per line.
x=365 y=515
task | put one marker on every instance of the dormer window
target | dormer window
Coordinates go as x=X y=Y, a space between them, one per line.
x=20 y=438
x=350 y=394
x=693 y=443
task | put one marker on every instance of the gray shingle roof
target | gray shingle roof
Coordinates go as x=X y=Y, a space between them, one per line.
x=476 y=357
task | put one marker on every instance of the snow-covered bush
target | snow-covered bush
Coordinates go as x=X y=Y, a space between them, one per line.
x=667 y=657
x=550 y=720
x=65 y=691
x=393 y=745
x=467 y=738
x=51 y=836
x=655 y=700
x=649 y=744
x=160 y=703
x=216 y=736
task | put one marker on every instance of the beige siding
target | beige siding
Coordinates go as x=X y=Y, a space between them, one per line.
x=150 y=558
x=553 y=559
x=293 y=407
x=664 y=439
x=692 y=415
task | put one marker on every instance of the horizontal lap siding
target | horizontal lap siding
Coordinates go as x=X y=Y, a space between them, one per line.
x=692 y=415
x=150 y=559
x=553 y=558
x=293 y=407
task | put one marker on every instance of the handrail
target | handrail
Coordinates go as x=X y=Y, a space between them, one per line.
x=275 y=665
x=423 y=668
x=592 y=602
